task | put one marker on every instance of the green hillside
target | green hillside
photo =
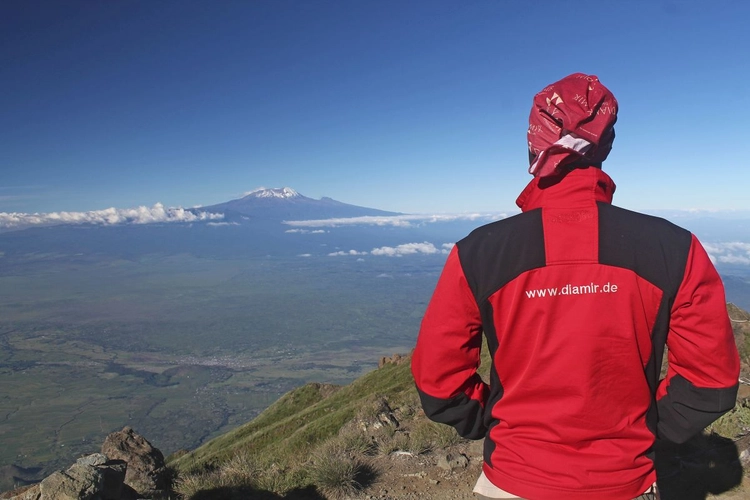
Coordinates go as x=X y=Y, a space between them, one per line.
x=320 y=437
x=303 y=418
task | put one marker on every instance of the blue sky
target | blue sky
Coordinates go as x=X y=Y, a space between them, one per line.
x=409 y=106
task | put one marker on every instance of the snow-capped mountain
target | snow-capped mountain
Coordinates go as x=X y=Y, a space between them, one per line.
x=287 y=204
x=284 y=193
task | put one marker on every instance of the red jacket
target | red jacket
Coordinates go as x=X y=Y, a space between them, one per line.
x=577 y=299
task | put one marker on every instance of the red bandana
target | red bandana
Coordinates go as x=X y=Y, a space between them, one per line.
x=571 y=119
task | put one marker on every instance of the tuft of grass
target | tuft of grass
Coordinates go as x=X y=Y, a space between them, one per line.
x=389 y=441
x=280 y=478
x=734 y=423
x=190 y=485
x=334 y=471
x=240 y=469
x=356 y=443
x=427 y=436
x=238 y=472
x=242 y=472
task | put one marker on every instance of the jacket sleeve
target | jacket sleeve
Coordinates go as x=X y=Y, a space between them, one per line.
x=702 y=377
x=446 y=358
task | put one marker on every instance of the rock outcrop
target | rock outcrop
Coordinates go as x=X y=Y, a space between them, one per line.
x=146 y=473
x=128 y=468
x=93 y=477
x=396 y=359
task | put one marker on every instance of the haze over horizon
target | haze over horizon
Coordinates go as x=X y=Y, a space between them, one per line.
x=158 y=213
x=419 y=107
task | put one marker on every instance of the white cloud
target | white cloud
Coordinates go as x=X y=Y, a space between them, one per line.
x=306 y=231
x=407 y=249
x=734 y=252
x=396 y=220
x=305 y=255
x=109 y=216
x=215 y=224
x=350 y=252
x=735 y=259
x=425 y=248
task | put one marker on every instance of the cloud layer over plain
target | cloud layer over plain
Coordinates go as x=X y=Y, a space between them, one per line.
x=425 y=248
x=396 y=220
x=734 y=252
x=110 y=216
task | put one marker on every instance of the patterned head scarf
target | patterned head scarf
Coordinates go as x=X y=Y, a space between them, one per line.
x=571 y=120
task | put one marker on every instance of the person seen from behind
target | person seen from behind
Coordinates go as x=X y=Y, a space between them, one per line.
x=577 y=299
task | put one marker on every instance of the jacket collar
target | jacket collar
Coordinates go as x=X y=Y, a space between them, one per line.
x=578 y=188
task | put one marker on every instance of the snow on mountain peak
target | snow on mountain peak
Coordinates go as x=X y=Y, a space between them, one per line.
x=284 y=192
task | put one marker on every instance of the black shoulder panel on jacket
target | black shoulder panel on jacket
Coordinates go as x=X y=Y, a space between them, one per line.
x=495 y=254
x=653 y=248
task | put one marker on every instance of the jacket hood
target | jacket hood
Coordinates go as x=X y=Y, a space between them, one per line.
x=577 y=188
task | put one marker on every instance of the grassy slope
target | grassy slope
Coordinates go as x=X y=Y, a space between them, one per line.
x=301 y=419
